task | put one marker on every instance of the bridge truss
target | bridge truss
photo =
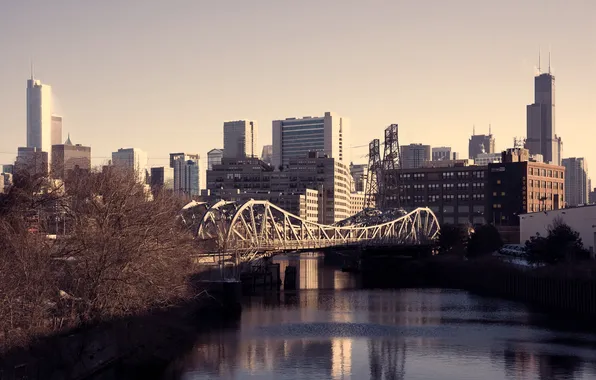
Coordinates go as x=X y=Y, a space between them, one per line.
x=244 y=231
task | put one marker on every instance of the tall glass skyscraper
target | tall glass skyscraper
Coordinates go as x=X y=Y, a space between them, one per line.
x=186 y=173
x=39 y=116
x=541 y=132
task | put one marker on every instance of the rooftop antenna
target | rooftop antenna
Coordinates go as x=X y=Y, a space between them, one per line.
x=549 y=61
x=32 y=73
x=473 y=129
x=539 y=71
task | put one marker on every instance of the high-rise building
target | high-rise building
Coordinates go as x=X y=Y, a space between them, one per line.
x=267 y=154
x=162 y=178
x=414 y=155
x=8 y=168
x=56 y=129
x=31 y=161
x=68 y=158
x=480 y=144
x=541 y=132
x=39 y=115
x=186 y=173
x=577 y=186
x=443 y=153
x=133 y=160
x=488 y=158
x=295 y=138
x=240 y=139
x=359 y=174
x=214 y=157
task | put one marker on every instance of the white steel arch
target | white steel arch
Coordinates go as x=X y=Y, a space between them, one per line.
x=257 y=226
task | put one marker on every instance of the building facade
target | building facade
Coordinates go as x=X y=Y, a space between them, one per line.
x=68 y=158
x=31 y=161
x=132 y=160
x=294 y=138
x=414 y=156
x=577 y=187
x=39 y=116
x=541 y=132
x=517 y=186
x=359 y=173
x=440 y=153
x=162 y=178
x=186 y=174
x=240 y=139
x=56 y=130
x=581 y=219
x=479 y=144
x=484 y=159
x=456 y=194
x=267 y=154
x=246 y=175
x=214 y=157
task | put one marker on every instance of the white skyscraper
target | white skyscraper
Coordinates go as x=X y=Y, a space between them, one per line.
x=132 y=159
x=186 y=173
x=295 y=138
x=39 y=116
x=240 y=139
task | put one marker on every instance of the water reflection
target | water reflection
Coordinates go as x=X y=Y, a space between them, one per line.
x=314 y=274
x=401 y=334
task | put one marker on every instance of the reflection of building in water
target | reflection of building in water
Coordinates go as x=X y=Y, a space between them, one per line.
x=519 y=364
x=308 y=272
x=387 y=359
x=341 y=358
x=410 y=309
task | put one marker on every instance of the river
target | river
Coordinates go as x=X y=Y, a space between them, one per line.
x=332 y=329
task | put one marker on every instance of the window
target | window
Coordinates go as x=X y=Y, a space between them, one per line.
x=498 y=182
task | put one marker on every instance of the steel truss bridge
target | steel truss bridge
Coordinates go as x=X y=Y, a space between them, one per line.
x=243 y=232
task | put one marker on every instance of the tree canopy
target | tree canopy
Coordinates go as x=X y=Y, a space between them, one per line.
x=484 y=240
x=562 y=244
x=452 y=239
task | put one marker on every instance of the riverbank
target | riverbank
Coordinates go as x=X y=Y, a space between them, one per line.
x=566 y=289
x=133 y=347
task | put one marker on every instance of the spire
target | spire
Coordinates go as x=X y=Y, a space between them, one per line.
x=68 y=142
x=473 y=129
x=539 y=71
x=549 y=61
x=32 y=71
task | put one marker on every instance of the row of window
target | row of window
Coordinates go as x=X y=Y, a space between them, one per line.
x=547 y=173
x=437 y=186
x=546 y=185
x=438 y=198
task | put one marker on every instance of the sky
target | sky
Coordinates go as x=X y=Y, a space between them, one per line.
x=163 y=76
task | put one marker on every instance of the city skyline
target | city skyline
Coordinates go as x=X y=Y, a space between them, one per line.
x=137 y=93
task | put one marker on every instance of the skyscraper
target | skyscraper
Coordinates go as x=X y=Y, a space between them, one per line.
x=577 y=183
x=541 y=132
x=441 y=153
x=39 y=116
x=414 y=155
x=186 y=173
x=56 y=129
x=240 y=139
x=132 y=159
x=267 y=154
x=295 y=138
x=479 y=144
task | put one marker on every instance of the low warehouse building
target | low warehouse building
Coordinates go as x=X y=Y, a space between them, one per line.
x=581 y=219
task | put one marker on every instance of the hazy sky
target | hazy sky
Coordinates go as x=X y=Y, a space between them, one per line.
x=164 y=75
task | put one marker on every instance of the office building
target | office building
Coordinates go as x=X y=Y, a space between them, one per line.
x=214 y=157
x=162 y=178
x=327 y=175
x=517 y=186
x=267 y=154
x=8 y=168
x=248 y=174
x=447 y=163
x=42 y=130
x=541 y=128
x=240 y=139
x=480 y=144
x=484 y=159
x=68 y=158
x=443 y=153
x=577 y=186
x=359 y=173
x=56 y=130
x=186 y=174
x=456 y=194
x=413 y=156
x=132 y=160
x=6 y=181
x=31 y=161
x=295 y=138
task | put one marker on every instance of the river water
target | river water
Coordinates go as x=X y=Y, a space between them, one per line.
x=331 y=329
